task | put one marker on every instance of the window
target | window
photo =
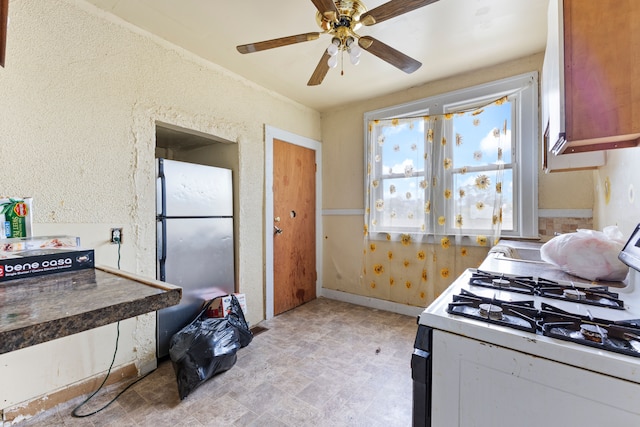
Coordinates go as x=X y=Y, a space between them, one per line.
x=430 y=162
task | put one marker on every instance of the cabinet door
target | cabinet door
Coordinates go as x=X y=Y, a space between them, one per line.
x=602 y=64
x=478 y=384
x=553 y=103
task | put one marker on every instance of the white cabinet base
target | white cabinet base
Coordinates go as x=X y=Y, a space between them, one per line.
x=480 y=384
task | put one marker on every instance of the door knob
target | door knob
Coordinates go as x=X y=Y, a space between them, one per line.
x=277 y=230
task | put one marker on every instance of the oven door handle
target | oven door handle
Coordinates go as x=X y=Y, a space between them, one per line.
x=421 y=375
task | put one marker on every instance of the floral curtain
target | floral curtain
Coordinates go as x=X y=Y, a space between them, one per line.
x=434 y=199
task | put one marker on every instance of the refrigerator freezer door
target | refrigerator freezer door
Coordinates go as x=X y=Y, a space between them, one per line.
x=197 y=255
x=192 y=190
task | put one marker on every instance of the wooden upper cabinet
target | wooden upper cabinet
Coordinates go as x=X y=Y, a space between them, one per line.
x=600 y=57
x=4 y=20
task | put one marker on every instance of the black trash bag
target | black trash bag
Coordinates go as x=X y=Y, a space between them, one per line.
x=202 y=349
x=236 y=318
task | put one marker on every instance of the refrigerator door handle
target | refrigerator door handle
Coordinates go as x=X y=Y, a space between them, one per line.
x=162 y=247
x=163 y=189
x=162 y=241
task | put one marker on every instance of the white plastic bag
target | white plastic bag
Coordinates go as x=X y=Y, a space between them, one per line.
x=590 y=254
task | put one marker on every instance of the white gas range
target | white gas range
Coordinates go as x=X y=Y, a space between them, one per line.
x=501 y=350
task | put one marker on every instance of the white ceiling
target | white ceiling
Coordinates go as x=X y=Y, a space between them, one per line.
x=449 y=37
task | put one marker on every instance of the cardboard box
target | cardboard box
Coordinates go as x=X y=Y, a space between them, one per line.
x=37 y=262
x=221 y=306
x=39 y=242
x=15 y=217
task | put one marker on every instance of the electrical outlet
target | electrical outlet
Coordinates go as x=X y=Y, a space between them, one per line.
x=116 y=236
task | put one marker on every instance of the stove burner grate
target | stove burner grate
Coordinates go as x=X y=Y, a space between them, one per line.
x=620 y=337
x=517 y=315
x=521 y=284
x=610 y=337
x=597 y=296
x=623 y=337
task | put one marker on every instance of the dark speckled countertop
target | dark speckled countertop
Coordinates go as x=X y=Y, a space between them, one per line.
x=43 y=308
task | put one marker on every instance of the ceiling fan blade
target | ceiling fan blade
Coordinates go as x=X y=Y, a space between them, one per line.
x=327 y=8
x=392 y=9
x=321 y=70
x=282 y=41
x=389 y=54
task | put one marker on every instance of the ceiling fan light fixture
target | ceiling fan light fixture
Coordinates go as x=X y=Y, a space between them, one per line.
x=334 y=47
x=355 y=50
x=332 y=62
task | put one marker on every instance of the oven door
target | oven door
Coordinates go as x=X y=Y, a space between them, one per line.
x=481 y=384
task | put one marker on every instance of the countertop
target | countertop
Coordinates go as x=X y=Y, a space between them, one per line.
x=495 y=263
x=39 y=309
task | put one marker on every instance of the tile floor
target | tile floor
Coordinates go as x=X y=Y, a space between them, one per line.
x=326 y=363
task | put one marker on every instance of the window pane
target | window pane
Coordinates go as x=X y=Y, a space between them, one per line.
x=477 y=137
x=474 y=198
x=402 y=204
x=402 y=151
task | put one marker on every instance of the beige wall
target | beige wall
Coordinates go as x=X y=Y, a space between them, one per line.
x=621 y=175
x=343 y=188
x=81 y=92
x=566 y=190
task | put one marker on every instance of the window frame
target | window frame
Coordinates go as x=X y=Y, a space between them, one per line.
x=512 y=165
x=383 y=177
x=525 y=141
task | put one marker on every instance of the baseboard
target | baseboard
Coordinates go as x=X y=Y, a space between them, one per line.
x=30 y=408
x=379 y=304
x=145 y=367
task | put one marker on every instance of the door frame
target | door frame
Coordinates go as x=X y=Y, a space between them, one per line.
x=272 y=133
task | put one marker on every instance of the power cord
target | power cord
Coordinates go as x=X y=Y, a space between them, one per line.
x=117 y=239
x=75 y=410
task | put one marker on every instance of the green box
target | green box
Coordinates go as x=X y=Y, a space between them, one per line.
x=15 y=217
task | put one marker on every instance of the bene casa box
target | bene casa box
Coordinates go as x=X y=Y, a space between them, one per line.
x=37 y=262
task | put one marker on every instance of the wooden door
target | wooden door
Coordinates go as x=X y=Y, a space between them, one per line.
x=294 y=212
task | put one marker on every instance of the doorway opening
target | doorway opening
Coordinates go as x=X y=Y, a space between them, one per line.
x=188 y=145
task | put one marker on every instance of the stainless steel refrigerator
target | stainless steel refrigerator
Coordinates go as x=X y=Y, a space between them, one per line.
x=194 y=239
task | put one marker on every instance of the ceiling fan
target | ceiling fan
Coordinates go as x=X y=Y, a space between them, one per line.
x=341 y=19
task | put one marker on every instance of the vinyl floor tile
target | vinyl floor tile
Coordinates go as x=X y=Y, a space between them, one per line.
x=325 y=363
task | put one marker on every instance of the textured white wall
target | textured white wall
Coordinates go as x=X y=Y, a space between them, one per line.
x=80 y=95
